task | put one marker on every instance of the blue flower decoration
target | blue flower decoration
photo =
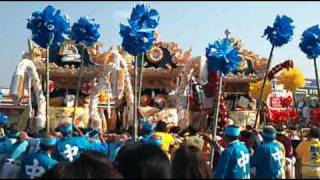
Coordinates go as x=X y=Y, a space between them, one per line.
x=222 y=56
x=281 y=32
x=310 y=42
x=49 y=27
x=145 y=18
x=1 y=94
x=139 y=37
x=85 y=31
x=3 y=119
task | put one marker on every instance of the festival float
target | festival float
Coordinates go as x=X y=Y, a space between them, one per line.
x=80 y=75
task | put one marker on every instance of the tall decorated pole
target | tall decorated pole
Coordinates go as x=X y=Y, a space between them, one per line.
x=310 y=45
x=278 y=35
x=84 y=32
x=49 y=30
x=138 y=38
x=222 y=56
x=292 y=79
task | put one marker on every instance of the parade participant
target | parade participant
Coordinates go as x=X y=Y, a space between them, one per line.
x=140 y=160
x=69 y=148
x=148 y=135
x=269 y=157
x=308 y=155
x=36 y=164
x=97 y=142
x=15 y=151
x=167 y=140
x=188 y=162
x=234 y=160
x=282 y=137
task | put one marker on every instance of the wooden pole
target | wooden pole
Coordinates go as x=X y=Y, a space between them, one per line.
x=296 y=108
x=135 y=118
x=317 y=78
x=75 y=105
x=216 y=118
x=141 y=61
x=47 y=91
x=263 y=85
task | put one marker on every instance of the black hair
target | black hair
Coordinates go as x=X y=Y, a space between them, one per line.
x=192 y=131
x=161 y=126
x=315 y=132
x=188 y=162
x=46 y=148
x=139 y=160
x=175 y=129
x=90 y=164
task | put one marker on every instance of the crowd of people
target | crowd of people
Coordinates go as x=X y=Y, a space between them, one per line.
x=161 y=151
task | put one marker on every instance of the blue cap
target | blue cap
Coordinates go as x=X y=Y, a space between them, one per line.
x=3 y=119
x=13 y=134
x=48 y=141
x=147 y=126
x=269 y=132
x=65 y=128
x=232 y=131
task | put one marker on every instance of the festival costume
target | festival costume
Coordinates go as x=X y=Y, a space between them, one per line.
x=36 y=164
x=269 y=160
x=309 y=153
x=234 y=162
x=167 y=141
x=195 y=141
x=69 y=148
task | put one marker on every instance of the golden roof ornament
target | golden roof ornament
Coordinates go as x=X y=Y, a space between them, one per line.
x=69 y=52
x=36 y=53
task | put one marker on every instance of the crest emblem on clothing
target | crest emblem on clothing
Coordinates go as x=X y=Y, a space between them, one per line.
x=243 y=160
x=34 y=170
x=70 y=152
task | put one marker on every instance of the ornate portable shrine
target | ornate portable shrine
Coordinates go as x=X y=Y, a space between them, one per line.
x=237 y=103
x=97 y=94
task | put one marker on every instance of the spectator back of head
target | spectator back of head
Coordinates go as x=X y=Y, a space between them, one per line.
x=142 y=161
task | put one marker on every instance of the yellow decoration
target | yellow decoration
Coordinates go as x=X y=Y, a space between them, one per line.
x=103 y=96
x=291 y=79
x=255 y=89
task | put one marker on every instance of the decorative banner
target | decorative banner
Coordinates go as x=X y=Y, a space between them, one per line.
x=85 y=31
x=87 y=88
x=281 y=32
x=292 y=79
x=50 y=22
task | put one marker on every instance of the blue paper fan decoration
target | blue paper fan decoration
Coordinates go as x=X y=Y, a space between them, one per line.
x=3 y=119
x=139 y=37
x=222 y=56
x=49 y=27
x=310 y=42
x=281 y=32
x=85 y=31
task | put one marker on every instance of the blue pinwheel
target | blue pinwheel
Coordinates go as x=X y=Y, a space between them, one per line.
x=49 y=27
x=281 y=32
x=139 y=37
x=310 y=45
x=310 y=42
x=222 y=56
x=85 y=31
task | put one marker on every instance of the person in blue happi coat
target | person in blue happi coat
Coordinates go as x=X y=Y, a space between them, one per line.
x=37 y=163
x=69 y=148
x=97 y=142
x=147 y=135
x=234 y=162
x=269 y=157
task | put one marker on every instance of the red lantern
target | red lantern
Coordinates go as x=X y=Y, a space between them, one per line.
x=52 y=86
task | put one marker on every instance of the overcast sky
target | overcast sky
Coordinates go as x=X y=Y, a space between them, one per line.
x=190 y=24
